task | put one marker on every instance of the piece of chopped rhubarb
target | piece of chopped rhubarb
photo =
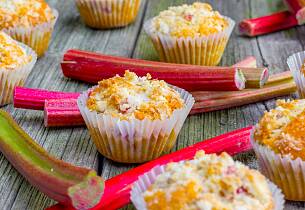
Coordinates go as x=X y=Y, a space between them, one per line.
x=298 y=8
x=117 y=189
x=93 y=67
x=29 y=98
x=267 y=24
x=61 y=181
x=62 y=112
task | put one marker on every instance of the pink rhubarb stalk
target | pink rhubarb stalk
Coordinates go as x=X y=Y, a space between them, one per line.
x=93 y=67
x=298 y=8
x=28 y=98
x=117 y=189
x=62 y=112
x=267 y=24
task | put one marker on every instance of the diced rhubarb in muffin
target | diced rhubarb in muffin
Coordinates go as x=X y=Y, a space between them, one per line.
x=12 y=54
x=133 y=97
x=24 y=13
x=283 y=129
x=209 y=182
x=197 y=19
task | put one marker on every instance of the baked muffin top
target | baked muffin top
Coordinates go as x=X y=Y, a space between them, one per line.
x=12 y=54
x=197 y=19
x=209 y=182
x=132 y=97
x=283 y=129
x=25 y=13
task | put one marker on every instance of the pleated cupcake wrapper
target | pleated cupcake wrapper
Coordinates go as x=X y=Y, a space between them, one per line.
x=199 y=50
x=108 y=13
x=10 y=78
x=287 y=174
x=295 y=62
x=37 y=37
x=134 y=141
x=146 y=180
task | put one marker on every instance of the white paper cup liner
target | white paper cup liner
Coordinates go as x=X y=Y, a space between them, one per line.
x=134 y=141
x=103 y=14
x=198 y=50
x=146 y=180
x=295 y=63
x=37 y=37
x=287 y=174
x=10 y=78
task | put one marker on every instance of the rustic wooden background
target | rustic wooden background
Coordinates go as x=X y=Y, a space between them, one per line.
x=74 y=144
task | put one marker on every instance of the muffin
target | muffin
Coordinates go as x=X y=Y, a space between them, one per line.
x=28 y=21
x=16 y=63
x=103 y=14
x=134 y=119
x=297 y=68
x=278 y=141
x=190 y=34
x=207 y=182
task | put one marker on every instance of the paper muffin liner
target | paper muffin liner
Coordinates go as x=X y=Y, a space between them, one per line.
x=134 y=141
x=295 y=63
x=37 y=37
x=287 y=174
x=10 y=78
x=198 y=50
x=146 y=180
x=102 y=14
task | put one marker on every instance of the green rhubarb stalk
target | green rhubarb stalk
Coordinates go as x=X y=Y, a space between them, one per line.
x=59 y=180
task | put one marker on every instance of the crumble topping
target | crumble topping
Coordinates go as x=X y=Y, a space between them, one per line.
x=24 y=13
x=283 y=130
x=12 y=54
x=132 y=97
x=197 y=19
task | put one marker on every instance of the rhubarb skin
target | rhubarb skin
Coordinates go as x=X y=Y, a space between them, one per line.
x=59 y=180
x=30 y=98
x=61 y=113
x=117 y=189
x=93 y=67
x=267 y=24
x=298 y=8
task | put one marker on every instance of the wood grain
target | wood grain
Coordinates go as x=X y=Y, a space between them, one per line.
x=74 y=144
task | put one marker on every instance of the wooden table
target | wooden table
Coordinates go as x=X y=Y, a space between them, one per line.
x=74 y=144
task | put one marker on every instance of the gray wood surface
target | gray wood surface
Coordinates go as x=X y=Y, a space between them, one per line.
x=74 y=144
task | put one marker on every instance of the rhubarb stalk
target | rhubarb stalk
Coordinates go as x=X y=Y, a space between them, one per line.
x=61 y=113
x=60 y=181
x=267 y=24
x=212 y=101
x=29 y=98
x=92 y=67
x=298 y=8
x=117 y=189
